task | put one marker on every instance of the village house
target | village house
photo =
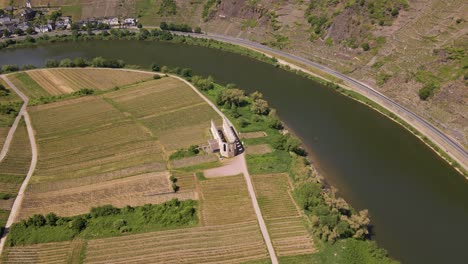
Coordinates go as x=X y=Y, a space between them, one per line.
x=113 y=22
x=4 y=19
x=130 y=22
x=43 y=28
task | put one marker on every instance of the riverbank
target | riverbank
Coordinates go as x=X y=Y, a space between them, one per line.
x=434 y=139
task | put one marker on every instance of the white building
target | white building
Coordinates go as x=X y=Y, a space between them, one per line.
x=225 y=140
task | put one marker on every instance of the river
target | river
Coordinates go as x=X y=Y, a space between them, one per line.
x=417 y=202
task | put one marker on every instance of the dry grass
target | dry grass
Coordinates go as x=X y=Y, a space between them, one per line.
x=284 y=222
x=234 y=243
x=63 y=81
x=50 y=253
x=258 y=134
x=259 y=149
x=137 y=190
x=96 y=8
x=16 y=164
x=88 y=136
x=186 y=162
x=226 y=201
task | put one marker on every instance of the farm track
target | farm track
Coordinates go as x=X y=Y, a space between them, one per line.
x=20 y=196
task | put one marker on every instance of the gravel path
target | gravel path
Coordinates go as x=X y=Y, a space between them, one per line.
x=32 y=167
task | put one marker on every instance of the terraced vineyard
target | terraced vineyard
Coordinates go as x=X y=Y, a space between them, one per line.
x=49 y=253
x=226 y=201
x=233 y=243
x=137 y=190
x=170 y=109
x=62 y=81
x=88 y=136
x=15 y=166
x=285 y=224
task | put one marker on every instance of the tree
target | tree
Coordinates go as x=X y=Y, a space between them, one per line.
x=36 y=220
x=395 y=12
x=98 y=62
x=186 y=72
x=163 y=25
x=203 y=84
x=256 y=95
x=78 y=224
x=3 y=90
x=139 y=25
x=51 y=219
x=6 y=33
x=51 y=63
x=198 y=30
x=66 y=63
x=144 y=33
x=155 y=67
x=30 y=31
x=18 y=31
x=80 y=62
x=260 y=107
x=233 y=96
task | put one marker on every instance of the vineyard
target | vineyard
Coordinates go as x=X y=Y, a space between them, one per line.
x=233 y=243
x=15 y=166
x=226 y=201
x=137 y=190
x=63 y=81
x=49 y=253
x=169 y=109
x=86 y=137
x=285 y=223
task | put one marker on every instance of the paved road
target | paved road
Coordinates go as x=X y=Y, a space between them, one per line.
x=453 y=148
x=32 y=167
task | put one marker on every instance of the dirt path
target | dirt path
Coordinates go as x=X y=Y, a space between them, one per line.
x=9 y=138
x=19 y=198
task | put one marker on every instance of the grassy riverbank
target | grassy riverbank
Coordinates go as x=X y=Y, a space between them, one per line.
x=158 y=35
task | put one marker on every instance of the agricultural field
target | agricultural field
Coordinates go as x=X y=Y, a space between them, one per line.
x=64 y=81
x=226 y=201
x=233 y=243
x=169 y=109
x=61 y=252
x=284 y=221
x=16 y=164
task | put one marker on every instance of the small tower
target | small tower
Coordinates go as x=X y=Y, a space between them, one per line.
x=28 y=4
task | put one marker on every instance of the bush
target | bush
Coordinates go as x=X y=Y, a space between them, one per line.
x=427 y=91
x=51 y=63
x=119 y=223
x=155 y=67
x=78 y=224
x=365 y=46
x=104 y=210
x=51 y=219
x=36 y=220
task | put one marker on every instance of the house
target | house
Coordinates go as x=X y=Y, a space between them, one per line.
x=225 y=140
x=130 y=22
x=4 y=19
x=113 y=21
x=28 y=14
x=63 y=23
x=23 y=26
x=43 y=28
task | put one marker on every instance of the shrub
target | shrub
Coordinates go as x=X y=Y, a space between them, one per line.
x=260 y=107
x=155 y=67
x=365 y=46
x=36 y=220
x=119 y=223
x=104 y=210
x=427 y=91
x=78 y=224
x=3 y=90
x=51 y=219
